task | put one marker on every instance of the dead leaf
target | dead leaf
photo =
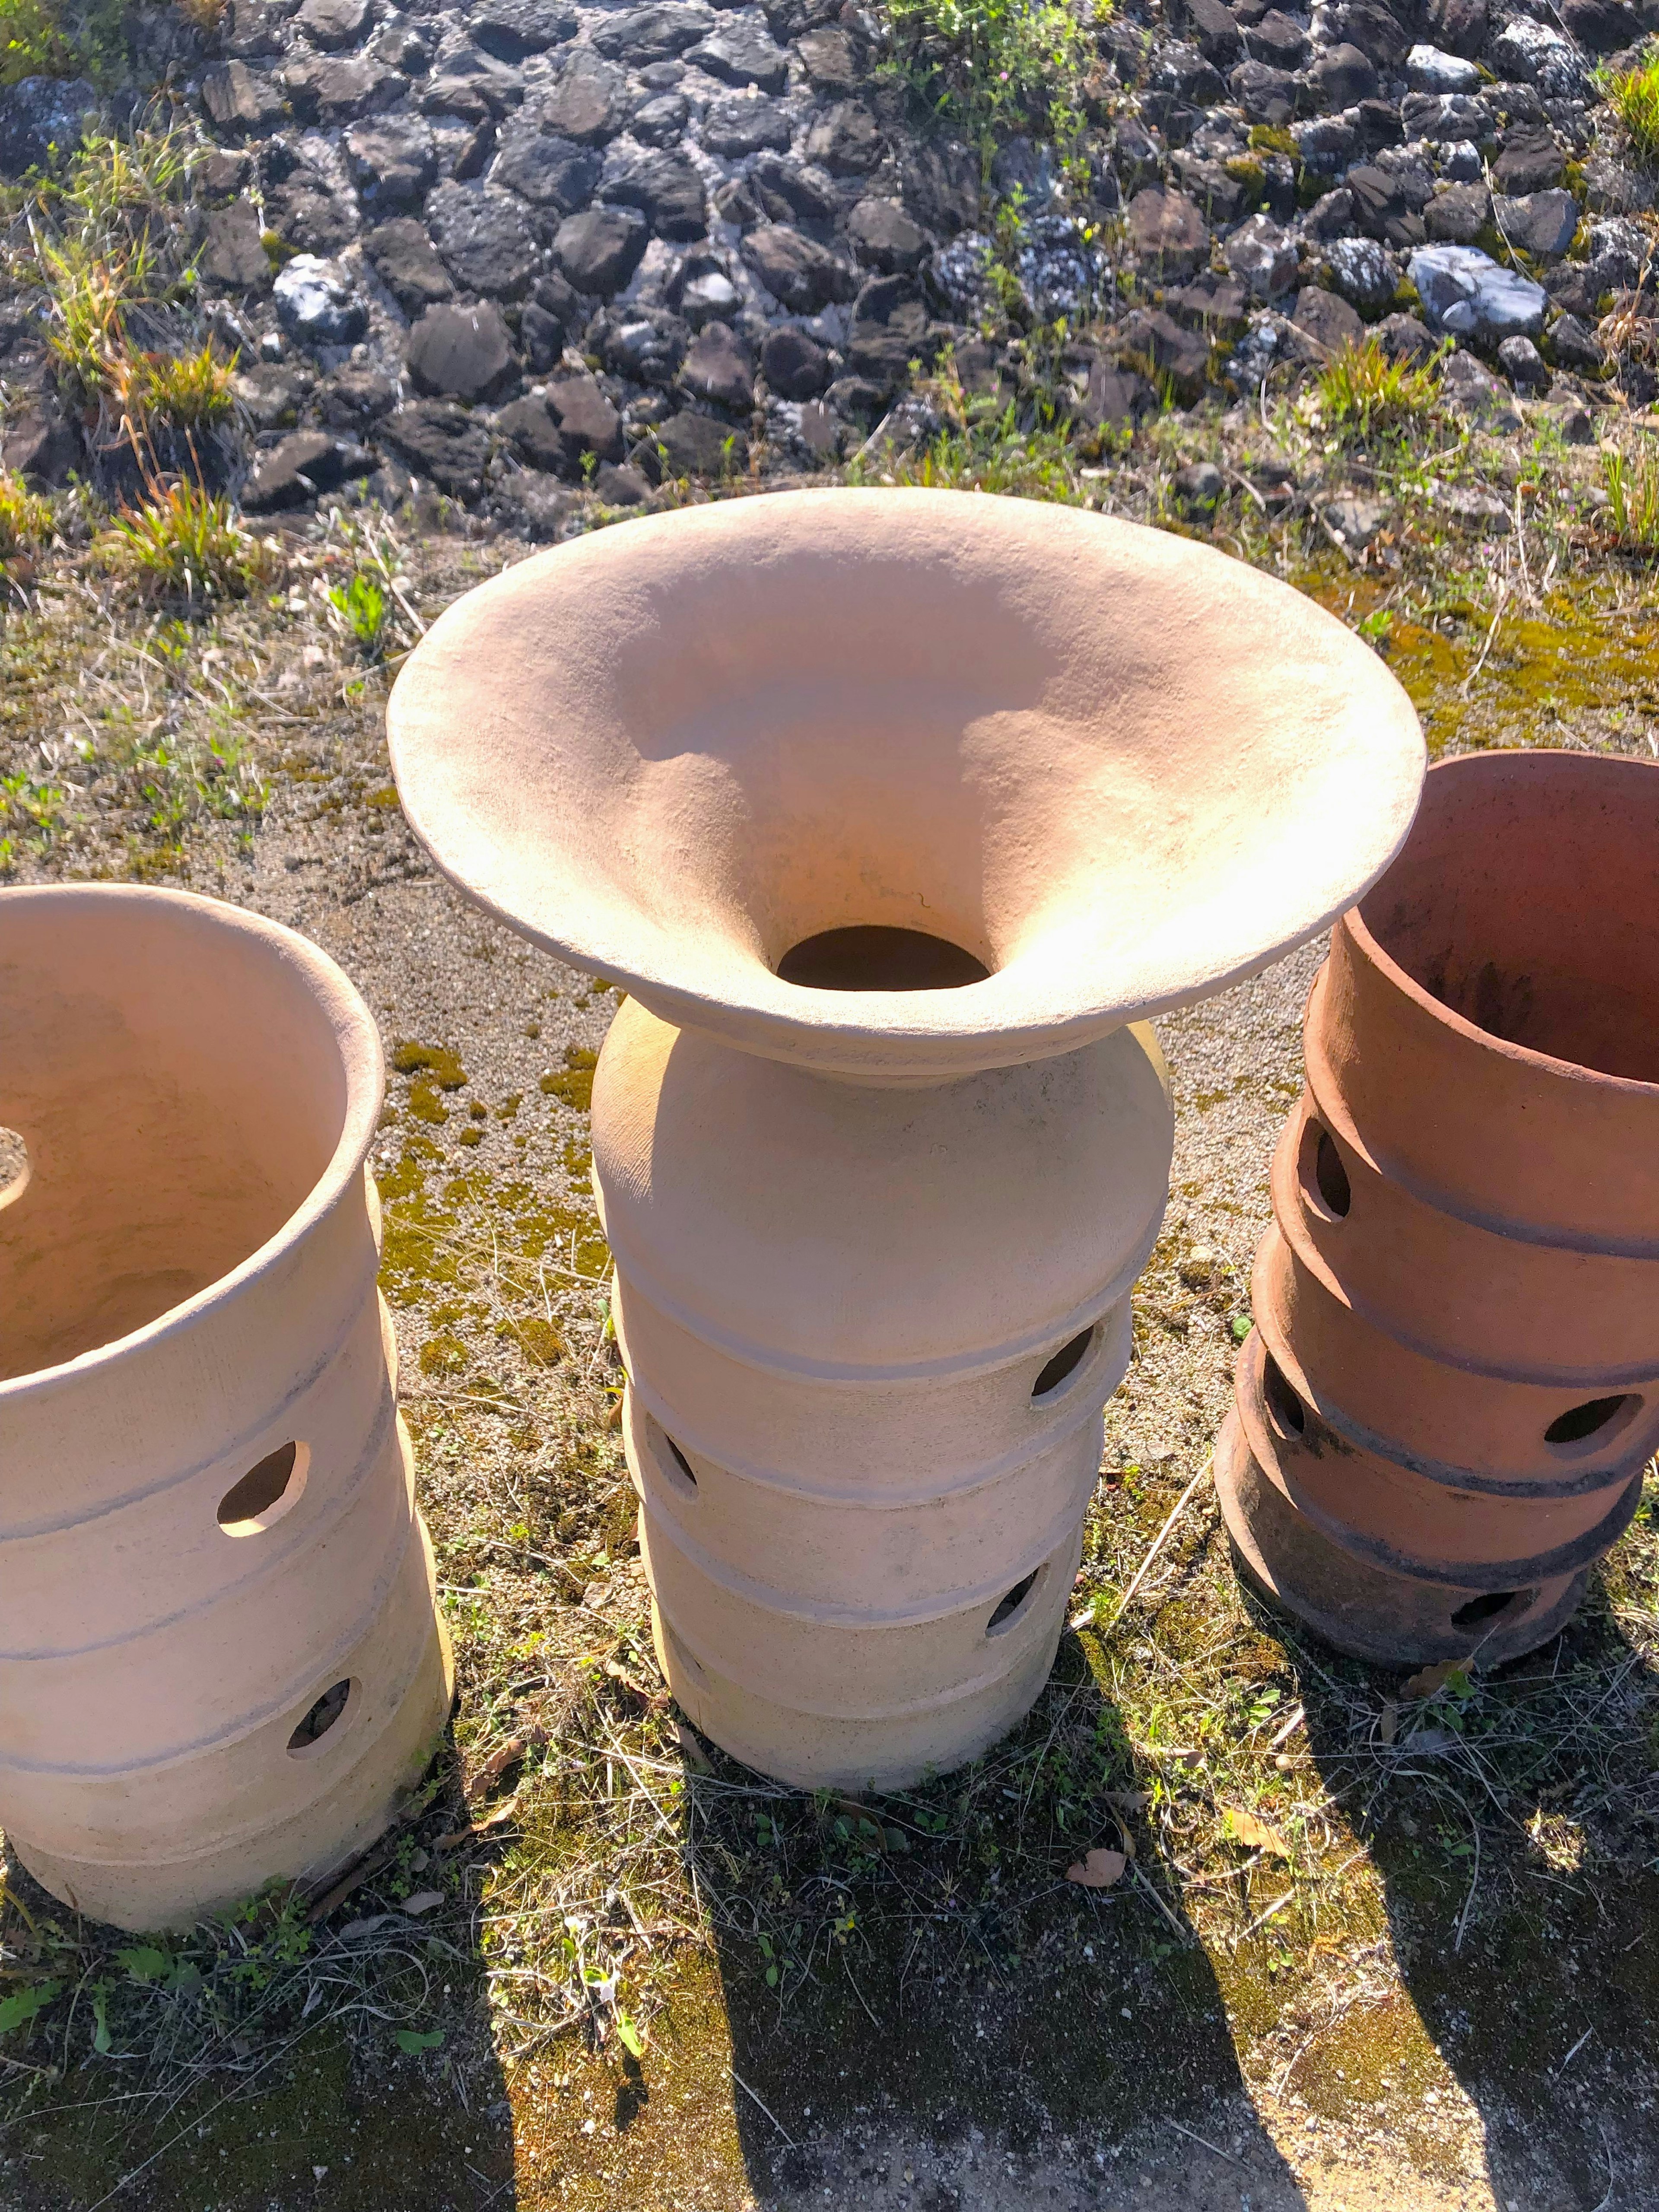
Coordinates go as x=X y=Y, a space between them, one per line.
x=1432 y=1681
x=512 y=1753
x=689 y=1744
x=423 y=1901
x=1257 y=1834
x=1388 y=1727
x=1128 y=1800
x=1098 y=1869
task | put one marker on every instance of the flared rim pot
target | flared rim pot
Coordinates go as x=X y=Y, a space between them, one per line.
x=1433 y=1062
x=39 y=927
x=1112 y=770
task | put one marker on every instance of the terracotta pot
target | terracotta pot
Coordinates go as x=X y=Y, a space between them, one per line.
x=1455 y=1373
x=220 y=1657
x=895 y=812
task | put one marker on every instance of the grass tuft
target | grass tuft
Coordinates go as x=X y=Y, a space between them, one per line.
x=183 y=543
x=1632 y=488
x=995 y=65
x=1363 y=392
x=190 y=391
x=1633 y=96
x=25 y=517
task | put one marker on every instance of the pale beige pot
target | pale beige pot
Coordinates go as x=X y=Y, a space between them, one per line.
x=895 y=813
x=220 y=1657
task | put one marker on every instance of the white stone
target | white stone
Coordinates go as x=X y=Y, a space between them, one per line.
x=1430 y=69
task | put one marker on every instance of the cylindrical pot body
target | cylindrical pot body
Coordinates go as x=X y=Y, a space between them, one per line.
x=1453 y=1387
x=221 y=1661
x=869 y=1333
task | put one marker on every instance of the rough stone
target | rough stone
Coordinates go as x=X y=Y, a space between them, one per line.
x=662 y=121
x=1524 y=366
x=1459 y=26
x=1342 y=77
x=706 y=294
x=801 y=275
x=1430 y=69
x=1529 y=160
x=1459 y=215
x=1537 y=54
x=732 y=128
x=696 y=444
x=1215 y=33
x=406 y=264
x=1327 y=321
x=461 y=353
x=940 y=183
x=394 y=160
x=441 y=441
x=1386 y=206
x=1377 y=30
x=1355 y=522
x=846 y=140
x=643 y=345
x=485 y=241
x=316 y=305
x=889 y=329
x=233 y=253
x=1466 y=293
x=719 y=367
x=740 y=52
x=42 y=120
x=40 y=443
x=600 y=251
x=1266 y=94
x=304 y=464
x=309 y=216
x=1364 y=274
x=1603 y=26
x=666 y=188
x=1262 y=257
x=1402 y=338
x=240 y=102
x=1156 y=344
x=510 y=29
x=642 y=35
x=540 y=505
x=1445 y=118
x=1277 y=40
x=794 y=192
x=1475 y=393
x=549 y=171
x=794 y=365
x=1542 y=224
x=332 y=24
x=833 y=58
x=355 y=395
x=270 y=394
x=333 y=88
x=1572 y=344
x=884 y=237
x=589 y=101
x=1168 y=234
x=472 y=85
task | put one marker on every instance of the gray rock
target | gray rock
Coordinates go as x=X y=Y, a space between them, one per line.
x=642 y=35
x=1460 y=162
x=1472 y=390
x=1277 y=40
x=1538 y=54
x=355 y=395
x=1430 y=69
x=661 y=121
x=732 y=128
x=331 y=24
x=1529 y=160
x=1402 y=338
x=403 y=259
x=1167 y=234
x=555 y=429
x=1459 y=215
x=316 y=305
x=307 y=462
x=441 y=441
x=1542 y=224
x=43 y=120
x=549 y=171
x=834 y=60
x=538 y=505
x=461 y=353
x=794 y=365
x=884 y=237
x=269 y=394
x=1572 y=344
x=720 y=368
x=1342 y=77
x=401 y=47
x=40 y=443
x=708 y=294
x=794 y=192
x=1377 y=31
x=510 y=29
x=1475 y=509
x=233 y=253
x=1603 y=26
x=666 y=188
x=1198 y=487
x=1467 y=294
x=890 y=328
x=1262 y=258
x=333 y=88
x=644 y=345
x=1331 y=216
x=1355 y=522
x=740 y=52
x=799 y=273
x=600 y=251
x=1524 y=366
x=484 y=240
x=1327 y=321
x=306 y=213
x=1445 y=118
x=1387 y=205
x=394 y=160
x=1364 y=272
x=846 y=140
x=1214 y=32
x=1266 y=94
x=1459 y=26
x=589 y=102
x=695 y=445
x=240 y=102
x=472 y=85
x=249 y=29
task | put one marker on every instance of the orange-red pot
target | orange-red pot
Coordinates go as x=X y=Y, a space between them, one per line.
x=1444 y=1413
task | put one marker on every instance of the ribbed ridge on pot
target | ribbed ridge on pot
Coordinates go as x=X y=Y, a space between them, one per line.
x=220 y=1660
x=859 y=1488
x=1455 y=1377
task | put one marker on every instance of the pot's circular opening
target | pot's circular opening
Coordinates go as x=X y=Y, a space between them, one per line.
x=1491 y=1606
x=322 y=1720
x=874 y=956
x=14 y=1167
x=1012 y=1604
x=1522 y=901
x=1285 y=1407
x=270 y=1489
x=1064 y=1363
x=1324 y=1178
x=1592 y=1425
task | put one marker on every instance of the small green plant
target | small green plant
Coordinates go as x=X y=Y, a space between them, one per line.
x=183 y=543
x=191 y=391
x=25 y=517
x=1631 y=481
x=363 y=607
x=1633 y=96
x=1362 y=391
x=995 y=64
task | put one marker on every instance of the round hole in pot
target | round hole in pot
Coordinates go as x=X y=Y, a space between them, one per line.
x=1289 y=1415
x=1595 y=1422
x=14 y=1168
x=1012 y=1604
x=1064 y=1363
x=323 y=1719
x=678 y=1463
x=1324 y=1178
x=271 y=1487
x=1489 y=1605
x=872 y=957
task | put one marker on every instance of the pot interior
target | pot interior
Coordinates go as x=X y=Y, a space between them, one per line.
x=1524 y=901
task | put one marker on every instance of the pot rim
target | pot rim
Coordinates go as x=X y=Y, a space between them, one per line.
x=1354 y=924
x=362 y=1063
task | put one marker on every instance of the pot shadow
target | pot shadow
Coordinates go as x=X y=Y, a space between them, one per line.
x=912 y=1979
x=248 y=2064
x=1511 y=1828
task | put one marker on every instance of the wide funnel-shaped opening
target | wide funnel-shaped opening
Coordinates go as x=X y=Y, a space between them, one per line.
x=725 y=756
